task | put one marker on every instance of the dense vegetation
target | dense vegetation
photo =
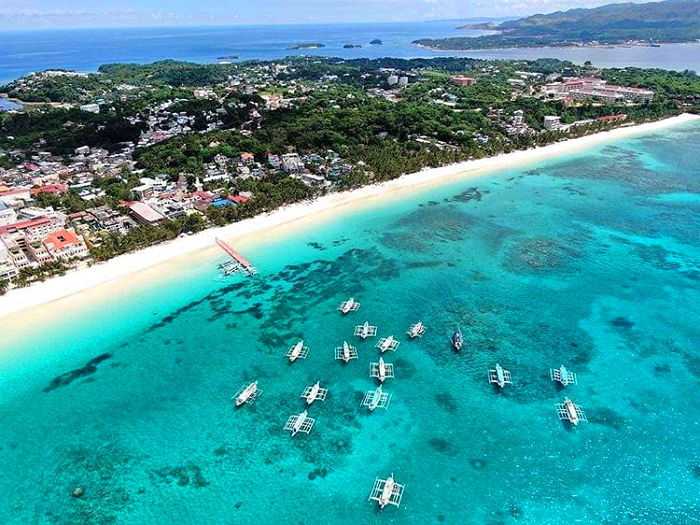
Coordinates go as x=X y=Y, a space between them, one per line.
x=668 y=21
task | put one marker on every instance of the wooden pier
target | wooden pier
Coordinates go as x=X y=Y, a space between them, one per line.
x=238 y=263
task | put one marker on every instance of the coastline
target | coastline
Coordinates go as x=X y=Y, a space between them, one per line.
x=570 y=46
x=117 y=272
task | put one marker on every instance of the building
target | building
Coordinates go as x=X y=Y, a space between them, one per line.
x=8 y=270
x=403 y=82
x=7 y=214
x=518 y=117
x=462 y=80
x=393 y=79
x=592 y=87
x=551 y=122
x=143 y=192
x=34 y=229
x=145 y=214
x=90 y=108
x=292 y=164
x=66 y=245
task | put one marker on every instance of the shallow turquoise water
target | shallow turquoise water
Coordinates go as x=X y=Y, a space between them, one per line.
x=590 y=260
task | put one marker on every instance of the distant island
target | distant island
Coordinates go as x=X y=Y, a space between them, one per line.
x=307 y=46
x=650 y=23
x=227 y=57
x=352 y=46
x=376 y=42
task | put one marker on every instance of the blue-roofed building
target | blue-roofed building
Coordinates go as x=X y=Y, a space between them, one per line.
x=218 y=203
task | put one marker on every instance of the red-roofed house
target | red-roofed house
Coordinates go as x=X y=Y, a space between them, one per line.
x=53 y=189
x=247 y=158
x=238 y=199
x=34 y=229
x=66 y=244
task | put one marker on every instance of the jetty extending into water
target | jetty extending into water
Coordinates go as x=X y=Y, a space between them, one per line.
x=238 y=263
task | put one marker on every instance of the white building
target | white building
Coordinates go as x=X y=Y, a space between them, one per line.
x=7 y=214
x=551 y=122
x=90 y=108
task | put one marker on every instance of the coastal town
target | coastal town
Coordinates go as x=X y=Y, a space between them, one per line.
x=95 y=165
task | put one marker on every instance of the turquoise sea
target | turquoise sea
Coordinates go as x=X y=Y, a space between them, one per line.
x=591 y=260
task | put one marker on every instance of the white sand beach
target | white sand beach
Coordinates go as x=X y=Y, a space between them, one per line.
x=102 y=278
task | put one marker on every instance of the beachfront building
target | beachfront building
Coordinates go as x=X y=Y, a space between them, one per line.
x=292 y=164
x=35 y=229
x=592 y=87
x=551 y=122
x=66 y=245
x=8 y=270
x=144 y=213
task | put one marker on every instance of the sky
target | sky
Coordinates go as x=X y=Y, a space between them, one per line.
x=20 y=14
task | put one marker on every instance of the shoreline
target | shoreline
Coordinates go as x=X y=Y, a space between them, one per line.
x=572 y=46
x=125 y=267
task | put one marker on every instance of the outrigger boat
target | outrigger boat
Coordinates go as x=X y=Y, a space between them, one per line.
x=388 y=343
x=300 y=423
x=314 y=393
x=298 y=351
x=563 y=376
x=381 y=370
x=348 y=306
x=500 y=376
x=416 y=330
x=457 y=341
x=346 y=352
x=386 y=492
x=247 y=394
x=570 y=411
x=376 y=399
x=365 y=330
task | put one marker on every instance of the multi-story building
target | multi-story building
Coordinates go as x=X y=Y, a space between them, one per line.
x=7 y=214
x=66 y=245
x=592 y=87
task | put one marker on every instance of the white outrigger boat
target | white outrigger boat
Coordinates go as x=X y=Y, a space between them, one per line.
x=416 y=330
x=351 y=305
x=376 y=399
x=563 y=376
x=500 y=376
x=388 y=343
x=298 y=351
x=346 y=352
x=381 y=370
x=365 y=330
x=386 y=492
x=247 y=394
x=314 y=393
x=300 y=423
x=570 y=411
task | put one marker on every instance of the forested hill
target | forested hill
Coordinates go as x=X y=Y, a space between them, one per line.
x=668 y=21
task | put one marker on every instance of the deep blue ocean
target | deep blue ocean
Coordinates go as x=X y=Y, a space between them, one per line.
x=22 y=52
x=590 y=259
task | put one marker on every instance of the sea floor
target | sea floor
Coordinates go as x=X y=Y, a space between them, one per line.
x=589 y=260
